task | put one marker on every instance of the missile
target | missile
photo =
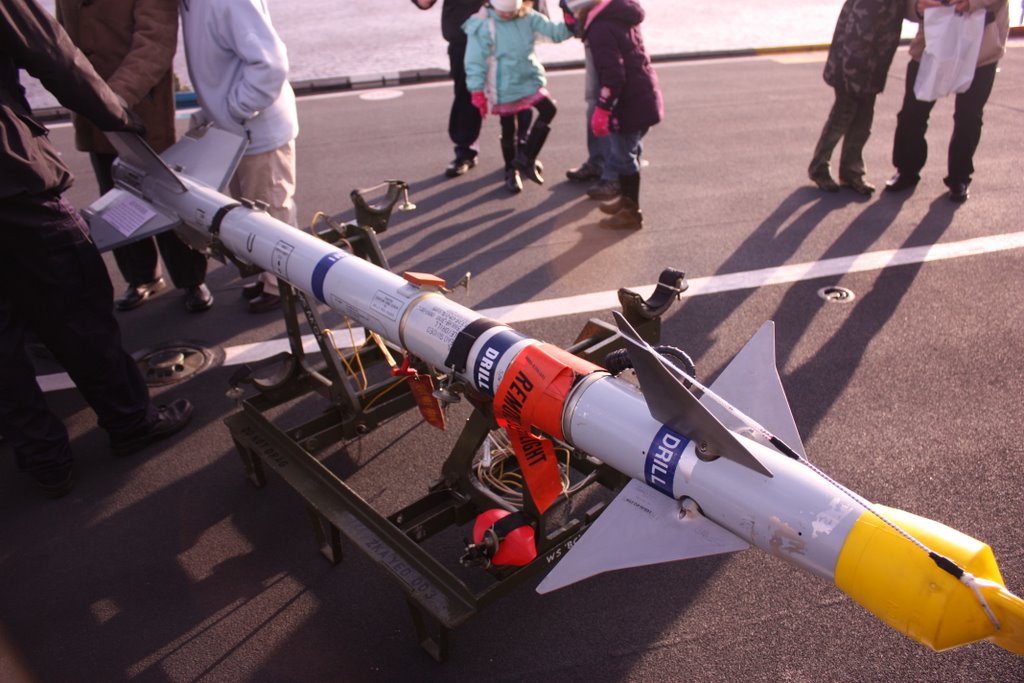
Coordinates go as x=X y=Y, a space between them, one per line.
x=712 y=469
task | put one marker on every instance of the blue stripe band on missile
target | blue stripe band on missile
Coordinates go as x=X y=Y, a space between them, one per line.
x=320 y=274
x=663 y=458
x=458 y=355
x=489 y=357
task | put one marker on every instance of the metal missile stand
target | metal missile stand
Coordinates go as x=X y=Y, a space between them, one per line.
x=438 y=596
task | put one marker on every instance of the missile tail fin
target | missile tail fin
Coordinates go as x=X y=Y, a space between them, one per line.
x=640 y=527
x=119 y=217
x=751 y=383
x=209 y=155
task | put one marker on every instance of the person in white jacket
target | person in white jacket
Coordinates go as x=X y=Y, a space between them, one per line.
x=238 y=66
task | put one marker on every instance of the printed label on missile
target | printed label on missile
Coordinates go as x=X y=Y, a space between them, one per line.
x=279 y=259
x=489 y=357
x=386 y=305
x=662 y=459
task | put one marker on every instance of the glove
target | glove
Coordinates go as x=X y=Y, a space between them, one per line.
x=480 y=102
x=599 y=122
x=569 y=18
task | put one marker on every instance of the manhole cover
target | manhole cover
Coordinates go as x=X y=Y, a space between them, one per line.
x=175 y=362
x=839 y=294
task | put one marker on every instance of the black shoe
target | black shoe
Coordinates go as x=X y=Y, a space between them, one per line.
x=252 y=290
x=170 y=419
x=55 y=482
x=513 y=183
x=584 y=173
x=459 y=167
x=198 y=299
x=136 y=295
x=902 y=181
x=959 y=193
x=265 y=302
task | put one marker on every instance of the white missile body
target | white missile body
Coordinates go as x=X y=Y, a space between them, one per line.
x=703 y=481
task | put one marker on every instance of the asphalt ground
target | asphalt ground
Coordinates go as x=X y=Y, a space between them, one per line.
x=170 y=566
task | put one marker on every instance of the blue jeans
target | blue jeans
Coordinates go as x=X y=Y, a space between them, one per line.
x=624 y=150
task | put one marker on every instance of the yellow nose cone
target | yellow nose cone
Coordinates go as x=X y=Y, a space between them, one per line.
x=900 y=584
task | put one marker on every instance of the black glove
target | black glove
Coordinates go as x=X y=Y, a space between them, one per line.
x=134 y=123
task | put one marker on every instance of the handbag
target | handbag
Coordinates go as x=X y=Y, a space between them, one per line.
x=951 y=45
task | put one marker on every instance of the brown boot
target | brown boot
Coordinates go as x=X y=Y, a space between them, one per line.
x=611 y=208
x=628 y=217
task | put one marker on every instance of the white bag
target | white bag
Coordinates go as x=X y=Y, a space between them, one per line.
x=951 y=45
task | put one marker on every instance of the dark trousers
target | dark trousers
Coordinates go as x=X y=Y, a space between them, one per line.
x=850 y=121
x=515 y=128
x=910 y=149
x=138 y=261
x=54 y=283
x=464 y=120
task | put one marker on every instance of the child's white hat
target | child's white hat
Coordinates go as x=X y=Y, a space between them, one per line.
x=507 y=5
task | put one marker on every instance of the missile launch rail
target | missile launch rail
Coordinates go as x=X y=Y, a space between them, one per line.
x=438 y=599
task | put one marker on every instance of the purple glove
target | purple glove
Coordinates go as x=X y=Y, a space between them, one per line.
x=480 y=102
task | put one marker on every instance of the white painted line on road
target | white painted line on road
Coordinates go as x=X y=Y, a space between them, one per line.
x=751 y=279
x=712 y=284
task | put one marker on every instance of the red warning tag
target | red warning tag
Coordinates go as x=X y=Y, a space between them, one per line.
x=537 y=460
x=532 y=394
x=422 y=389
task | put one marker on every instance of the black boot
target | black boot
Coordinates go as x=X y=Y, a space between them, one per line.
x=508 y=152
x=526 y=157
x=513 y=183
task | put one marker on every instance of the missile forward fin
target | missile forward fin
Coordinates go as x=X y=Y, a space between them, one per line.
x=751 y=383
x=673 y=405
x=640 y=527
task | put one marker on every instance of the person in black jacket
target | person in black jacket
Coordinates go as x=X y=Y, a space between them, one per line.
x=53 y=282
x=629 y=97
x=464 y=119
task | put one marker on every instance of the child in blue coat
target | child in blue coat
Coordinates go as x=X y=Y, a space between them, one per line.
x=503 y=72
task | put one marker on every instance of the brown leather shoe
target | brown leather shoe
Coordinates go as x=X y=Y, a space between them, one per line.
x=264 y=303
x=611 y=208
x=858 y=185
x=824 y=182
x=628 y=217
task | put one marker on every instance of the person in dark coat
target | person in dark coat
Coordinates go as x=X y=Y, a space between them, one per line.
x=53 y=282
x=629 y=97
x=131 y=45
x=464 y=120
x=865 y=41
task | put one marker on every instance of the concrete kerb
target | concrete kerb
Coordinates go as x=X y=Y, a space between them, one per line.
x=187 y=99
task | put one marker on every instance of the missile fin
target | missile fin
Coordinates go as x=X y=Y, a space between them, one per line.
x=640 y=527
x=208 y=155
x=672 y=404
x=751 y=383
x=135 y=153
x=119 y=217
x=1009 y=610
